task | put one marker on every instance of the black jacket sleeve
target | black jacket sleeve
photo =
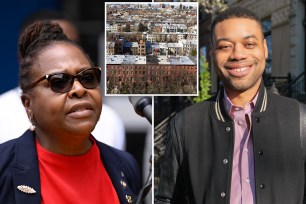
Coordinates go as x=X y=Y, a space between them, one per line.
x=171 y=183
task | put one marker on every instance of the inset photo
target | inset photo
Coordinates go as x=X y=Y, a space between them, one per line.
x=151 y=48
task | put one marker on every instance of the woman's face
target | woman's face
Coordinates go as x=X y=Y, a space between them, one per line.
x=63 y=114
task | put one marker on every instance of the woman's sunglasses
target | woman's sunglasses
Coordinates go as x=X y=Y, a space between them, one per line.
x=62 y=82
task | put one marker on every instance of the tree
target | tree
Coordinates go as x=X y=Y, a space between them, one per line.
x=205 y=82
x=193 y=52
x=212 y=6
x=142 y=28
x=128 y=28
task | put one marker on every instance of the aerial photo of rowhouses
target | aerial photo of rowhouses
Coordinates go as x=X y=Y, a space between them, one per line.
x=151 y=48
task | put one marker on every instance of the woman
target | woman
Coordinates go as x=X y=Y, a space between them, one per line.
x=57 y=160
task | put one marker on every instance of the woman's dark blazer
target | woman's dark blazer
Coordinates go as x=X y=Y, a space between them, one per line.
x=19 y=166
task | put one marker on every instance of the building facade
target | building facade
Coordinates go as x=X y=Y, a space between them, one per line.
x=159 y=75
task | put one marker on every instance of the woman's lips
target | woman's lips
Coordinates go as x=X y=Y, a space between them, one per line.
x=81 y=110
x=81 y=113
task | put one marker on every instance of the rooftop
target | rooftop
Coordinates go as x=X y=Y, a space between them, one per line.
x=149 y=59
x=125 y=59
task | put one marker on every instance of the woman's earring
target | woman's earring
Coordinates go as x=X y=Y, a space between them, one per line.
x=32 y=127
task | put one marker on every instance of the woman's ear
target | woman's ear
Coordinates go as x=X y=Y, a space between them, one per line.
x=26 y=100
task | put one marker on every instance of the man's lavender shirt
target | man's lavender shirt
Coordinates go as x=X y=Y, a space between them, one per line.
x=243 y=182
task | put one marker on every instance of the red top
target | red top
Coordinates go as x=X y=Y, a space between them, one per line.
x=74 y=179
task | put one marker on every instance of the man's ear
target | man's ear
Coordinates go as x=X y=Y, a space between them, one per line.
x=26 y=100
x=265 y=48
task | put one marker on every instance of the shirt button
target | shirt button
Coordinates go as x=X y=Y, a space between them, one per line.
x=257 y=120
x=227 y=129
x=246 y=150
x=225 y=161
x=239 y=122
x=222 y=194
x=262 y=186
x=248 y=180
x=260 y=152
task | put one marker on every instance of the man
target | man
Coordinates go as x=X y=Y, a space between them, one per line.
x=14 y=121
x=242 y=146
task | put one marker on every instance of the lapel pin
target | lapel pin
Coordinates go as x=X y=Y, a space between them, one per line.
x=26 y=189
x=128 y=198
x=123 y=184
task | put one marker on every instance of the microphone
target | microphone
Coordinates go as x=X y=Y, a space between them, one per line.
x=142 y=106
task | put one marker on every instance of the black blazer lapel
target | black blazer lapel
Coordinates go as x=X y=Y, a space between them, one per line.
x=25 y=170
x=117 y=173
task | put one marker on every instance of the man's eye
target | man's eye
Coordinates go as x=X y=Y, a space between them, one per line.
x=224 y=47
x=250 y=45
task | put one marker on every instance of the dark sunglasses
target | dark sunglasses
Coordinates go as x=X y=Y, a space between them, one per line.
x=62 y=82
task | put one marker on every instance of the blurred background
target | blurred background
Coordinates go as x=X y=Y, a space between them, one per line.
x=88 y=16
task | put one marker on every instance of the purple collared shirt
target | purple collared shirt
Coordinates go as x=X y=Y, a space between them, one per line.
x=243 y=182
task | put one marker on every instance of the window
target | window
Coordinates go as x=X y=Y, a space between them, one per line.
x=266 y=25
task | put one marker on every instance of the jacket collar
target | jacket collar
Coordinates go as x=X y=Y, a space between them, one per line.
x=118 y=174
x=220 y=109
x=25 y=170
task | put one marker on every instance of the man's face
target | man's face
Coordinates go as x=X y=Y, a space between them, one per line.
x=239 y=53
